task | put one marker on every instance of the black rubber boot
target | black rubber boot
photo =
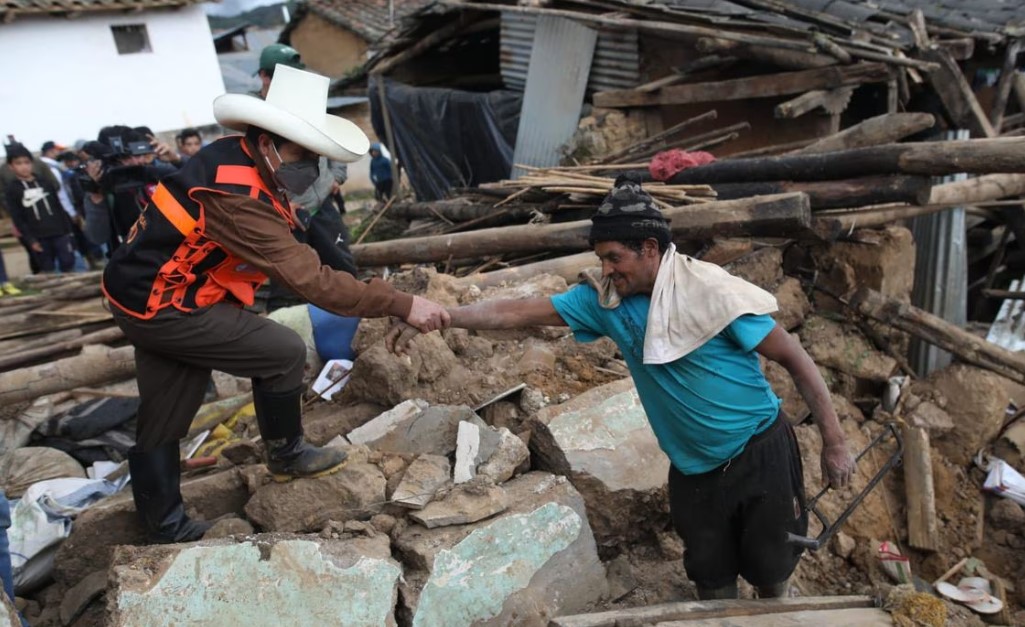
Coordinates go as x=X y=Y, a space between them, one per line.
x=778 y=591
x=156 y=487
x=725 y=592
x=279 y=416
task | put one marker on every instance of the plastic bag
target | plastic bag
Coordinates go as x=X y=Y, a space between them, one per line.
x=1005 y=481
x=894 y=564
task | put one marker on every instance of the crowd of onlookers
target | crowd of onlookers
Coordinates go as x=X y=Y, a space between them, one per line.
x=69 y=207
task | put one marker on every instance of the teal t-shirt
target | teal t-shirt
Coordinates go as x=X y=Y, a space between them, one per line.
x=703 y=407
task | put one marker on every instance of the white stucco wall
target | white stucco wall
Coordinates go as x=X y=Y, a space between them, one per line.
x=64 y=79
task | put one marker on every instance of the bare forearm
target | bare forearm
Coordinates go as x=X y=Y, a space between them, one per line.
x=816 y=394
x=505 y=314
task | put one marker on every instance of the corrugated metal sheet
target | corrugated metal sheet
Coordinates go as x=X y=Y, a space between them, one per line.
x=560 y=63
x=1008 y=328
x=616 y=63
x=941 y=273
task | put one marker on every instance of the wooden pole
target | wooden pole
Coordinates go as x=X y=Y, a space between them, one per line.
x=779 y=215
x=882 y=129
x=784 y=58
x=938 y=332
x=21 y=358
x=1003 y=91
x=923 y=526
x=870 y=190
x=389 y=136
x=979 y=189
x=956 y=94
x=96 y=365
x=982 y=156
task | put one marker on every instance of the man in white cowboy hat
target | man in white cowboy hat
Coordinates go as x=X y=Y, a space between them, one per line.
x=213 y=233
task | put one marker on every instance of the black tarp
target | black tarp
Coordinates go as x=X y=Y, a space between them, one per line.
x=448 y=138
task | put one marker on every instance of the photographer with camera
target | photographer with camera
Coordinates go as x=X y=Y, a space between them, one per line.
x=118 y=183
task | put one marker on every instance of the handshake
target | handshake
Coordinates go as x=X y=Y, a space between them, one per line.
x=425 y=316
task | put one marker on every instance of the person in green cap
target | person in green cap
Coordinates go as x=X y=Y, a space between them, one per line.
x=271 y=56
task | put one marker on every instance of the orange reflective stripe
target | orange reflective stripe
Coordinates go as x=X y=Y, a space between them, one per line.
x=171 y=209
x=239 y=175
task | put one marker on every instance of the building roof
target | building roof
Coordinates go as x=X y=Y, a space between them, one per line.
x=10 y=9
x=370 y=19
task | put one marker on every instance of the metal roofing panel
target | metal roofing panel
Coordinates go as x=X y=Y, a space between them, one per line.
x=616 y=63
x=560 y=63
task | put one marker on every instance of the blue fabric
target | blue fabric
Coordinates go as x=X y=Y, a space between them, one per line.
x=332 y=334
x=703 y=407
x=380 y=169
x=5 y=548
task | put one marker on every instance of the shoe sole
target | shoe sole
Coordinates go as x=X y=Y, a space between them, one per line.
x=279 y=478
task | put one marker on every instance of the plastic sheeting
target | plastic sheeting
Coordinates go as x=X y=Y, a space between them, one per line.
x=448 y=138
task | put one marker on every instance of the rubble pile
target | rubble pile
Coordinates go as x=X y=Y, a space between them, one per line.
x=510 y=477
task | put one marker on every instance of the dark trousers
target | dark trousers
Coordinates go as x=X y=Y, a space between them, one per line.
x=734 y=519
x=57 y=251
x=383 y=189
x=3 y=269
x=175 y=353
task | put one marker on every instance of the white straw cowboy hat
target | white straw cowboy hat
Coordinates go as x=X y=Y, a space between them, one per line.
x=295 y=109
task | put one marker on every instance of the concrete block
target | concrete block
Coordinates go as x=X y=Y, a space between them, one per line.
x=603 y=442
x=387 y=422
x=356 y=492
x=536 y=560
x=422 y=479
x=466 y=503
x=266 y=581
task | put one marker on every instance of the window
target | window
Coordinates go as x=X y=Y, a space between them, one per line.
x=131 y=38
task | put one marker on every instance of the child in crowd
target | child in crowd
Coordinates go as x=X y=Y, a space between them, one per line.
x=38 y=214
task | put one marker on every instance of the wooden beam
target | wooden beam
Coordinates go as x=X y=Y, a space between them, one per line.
x=861 y=192
x=923 y=526
x=95 y=366
x=1002 y=155
x=763 y=86
x=882 y=129
x=960 y=49
x=938 y=332
x=979 y=189
x=1019 y=88
x=779 y=215
x=1003 y=91
x=697 y=610
x=956 y=94
x=832 y=100
x=788 y=59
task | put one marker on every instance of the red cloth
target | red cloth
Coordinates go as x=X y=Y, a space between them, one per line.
x=668 y=163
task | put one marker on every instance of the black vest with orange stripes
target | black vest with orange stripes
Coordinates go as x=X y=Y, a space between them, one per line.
x=168 y=260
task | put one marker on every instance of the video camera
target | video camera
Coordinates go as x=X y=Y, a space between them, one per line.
x=114 y=175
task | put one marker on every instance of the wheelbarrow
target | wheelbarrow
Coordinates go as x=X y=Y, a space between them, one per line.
x=829 y=529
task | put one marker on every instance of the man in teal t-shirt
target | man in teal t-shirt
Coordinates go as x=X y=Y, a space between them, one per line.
x=735 y=482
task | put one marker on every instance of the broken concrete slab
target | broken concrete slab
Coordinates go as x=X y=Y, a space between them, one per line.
x=844 y=348
x=422 y=479
x=603 y=442
x=466 y=503
x=112 y=521
x=80 y=596
x=415 y=429
x=467 y=448
x=356 y=492
x=510 y=453
x=538 y=560
x=268 y=580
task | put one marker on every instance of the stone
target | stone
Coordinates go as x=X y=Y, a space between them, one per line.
x=227 y=527
x=24 y=466
x=466 y=503
x=383 y=523
x=763 y=267
x=843 y=545
x=1008 y=515
x=416 y=430
x=357 y=491
x=976 y=402
x=80 y=596
x=441 y=361
x=422 y=479
x=794 y=305
x=532 y=400
x=243 y=452
x=834 y=345
x=885 y=264
x=534 y=561
x=380 y=377
x=670 y=545
x=112 y=521
x=603 y=442
x=537 y=358
x=931 y=418
x=467 y=448
x=262 y=581
x=329 y=420
x=621 y=578
x=510 y=453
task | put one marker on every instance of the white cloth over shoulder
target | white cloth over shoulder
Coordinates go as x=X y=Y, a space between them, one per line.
x=692 y=302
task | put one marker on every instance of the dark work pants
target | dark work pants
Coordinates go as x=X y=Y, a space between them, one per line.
x=57 y=251
x=176 y=351
x=734 y=519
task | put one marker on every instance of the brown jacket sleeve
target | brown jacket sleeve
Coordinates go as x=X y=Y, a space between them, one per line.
x=253 y=231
